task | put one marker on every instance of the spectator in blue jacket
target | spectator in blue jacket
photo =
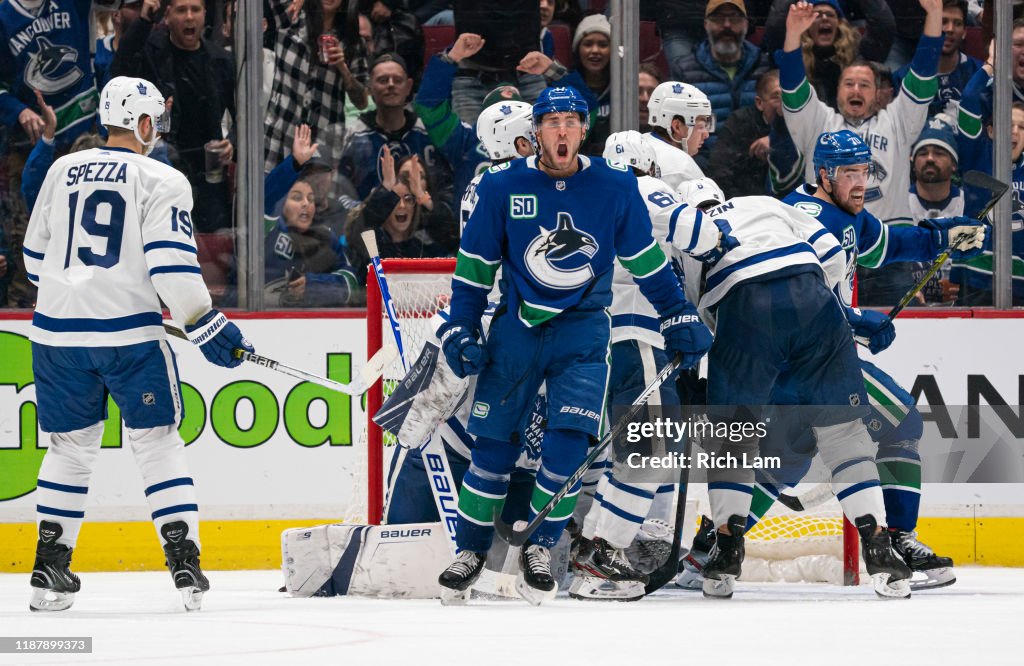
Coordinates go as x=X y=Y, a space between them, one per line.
x=725 y=66
x=305 y=262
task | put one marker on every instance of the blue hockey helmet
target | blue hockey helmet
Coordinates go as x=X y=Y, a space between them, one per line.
x=560 y=99
x=842 y=148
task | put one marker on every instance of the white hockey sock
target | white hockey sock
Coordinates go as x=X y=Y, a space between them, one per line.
x=170 y=491
x=64 y=480
x=619 y=510
x=848 y=451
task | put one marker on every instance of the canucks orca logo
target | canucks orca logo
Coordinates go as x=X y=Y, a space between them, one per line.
x=560 y=259
x=45 y=70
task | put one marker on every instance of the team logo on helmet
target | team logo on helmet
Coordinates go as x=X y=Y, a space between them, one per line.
x=560 y=259
x=141 y=88
x=677 y=88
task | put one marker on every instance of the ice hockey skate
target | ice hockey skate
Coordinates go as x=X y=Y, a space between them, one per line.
x=53 y=583
x=692 y=577
x=930 y=571
x=183 y=562
x=602 y=573
x=457 y=580
x=724 y=562
x=535 y=582
x=889 y=575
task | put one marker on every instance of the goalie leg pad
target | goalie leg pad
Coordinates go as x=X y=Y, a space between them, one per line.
x=592 y=588
x=385 y=561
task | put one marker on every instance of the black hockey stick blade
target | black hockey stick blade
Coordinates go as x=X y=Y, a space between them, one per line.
x=791 y=502
x=982 y=180
x=519 y=537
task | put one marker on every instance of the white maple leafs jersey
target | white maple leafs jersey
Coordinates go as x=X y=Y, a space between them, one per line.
x=109 y=237
x=772 y=236
x=674 y=166
x=633 y=316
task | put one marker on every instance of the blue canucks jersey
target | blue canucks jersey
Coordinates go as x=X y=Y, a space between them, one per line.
x=556 y=241
x=48 y=50
x=865 y=239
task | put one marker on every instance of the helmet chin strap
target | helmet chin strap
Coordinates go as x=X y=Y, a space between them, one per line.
x=147 y=146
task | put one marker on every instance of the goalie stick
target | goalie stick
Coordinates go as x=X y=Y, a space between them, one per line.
x=368 y=375
x=435 y=460
x=519 y=537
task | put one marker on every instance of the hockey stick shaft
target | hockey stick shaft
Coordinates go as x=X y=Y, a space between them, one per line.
x=519 y=537
x=371 y=371
x=975 y=179
x=436 y=464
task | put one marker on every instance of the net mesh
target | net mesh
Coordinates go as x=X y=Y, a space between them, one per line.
x=419 y=289
x=784 y=546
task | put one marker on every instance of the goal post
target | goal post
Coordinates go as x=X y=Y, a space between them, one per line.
x=421 y=287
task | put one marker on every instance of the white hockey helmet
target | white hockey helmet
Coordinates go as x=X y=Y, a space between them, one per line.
x=673 y=98
x=629 y=148
x=499 y=125
x=700 y=193
x=126 y=99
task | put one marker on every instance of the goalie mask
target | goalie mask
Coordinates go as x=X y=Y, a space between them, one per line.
x=499 y=125
x=126 y=99
x=631 y=149
x=673 y=98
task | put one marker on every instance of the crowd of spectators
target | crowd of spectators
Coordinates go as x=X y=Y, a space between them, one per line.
x=369 y=121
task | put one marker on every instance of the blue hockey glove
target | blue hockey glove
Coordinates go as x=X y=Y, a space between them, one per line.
x=465 y=355
x=946 y=230
x=685 y=334
x=218 y=339
x=875 y=327
x=726 y=242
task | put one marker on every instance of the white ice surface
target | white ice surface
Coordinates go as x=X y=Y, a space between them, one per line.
x=137 y=618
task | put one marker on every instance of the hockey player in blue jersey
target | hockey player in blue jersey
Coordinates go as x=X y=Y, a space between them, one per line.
x=554 y=224
x=110 y=238
x=842 y=162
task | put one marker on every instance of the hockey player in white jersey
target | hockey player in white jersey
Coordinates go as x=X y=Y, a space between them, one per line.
x=681 y=119
x=505 y=131
x=601 y=568
x=762 y=273
x=110 y=238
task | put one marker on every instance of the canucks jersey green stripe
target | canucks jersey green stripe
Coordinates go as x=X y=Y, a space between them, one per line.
x=562 y=510
x=896 y=413
x=475 y=270
x=983 y=264
x=533 y=315
x=900 y=473
x=478 y=507
x=440 y=121
x=646 y=262
x=873 y=257
x=970 y=124
x=78 y=108
x=797 y=99
x=920 y=89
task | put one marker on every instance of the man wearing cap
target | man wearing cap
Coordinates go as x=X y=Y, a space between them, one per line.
x=889 y=132
x=932 y=195
x=725 y=66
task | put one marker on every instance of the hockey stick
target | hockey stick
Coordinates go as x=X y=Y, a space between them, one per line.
x=435 y=460
x=519 y=537
x=974 y=179
x=368 y=375
x=668 y=571
x=816 y=496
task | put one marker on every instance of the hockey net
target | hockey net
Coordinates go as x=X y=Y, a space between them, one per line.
x=816 y=545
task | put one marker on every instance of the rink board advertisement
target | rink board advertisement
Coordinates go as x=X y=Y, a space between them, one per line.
x=268 y=451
